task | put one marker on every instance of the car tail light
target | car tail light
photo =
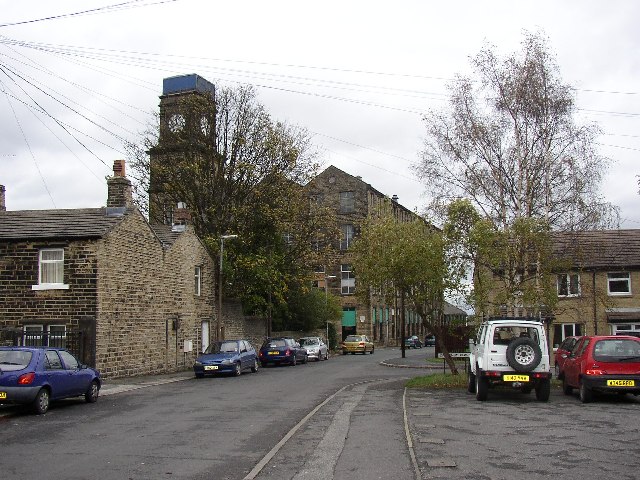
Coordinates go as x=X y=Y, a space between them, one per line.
x=26 y=379
x=287 y=353
x=594 y=371
x=361 y=344
x=492 y=374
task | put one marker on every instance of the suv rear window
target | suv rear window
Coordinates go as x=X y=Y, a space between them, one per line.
x=502 y=335
x=614 y=350
x=14 y=359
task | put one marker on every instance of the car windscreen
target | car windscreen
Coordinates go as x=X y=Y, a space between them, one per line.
x=352 y=338
x=14 y=359
x=308 y=341
x=616 y=350
x=222 y=347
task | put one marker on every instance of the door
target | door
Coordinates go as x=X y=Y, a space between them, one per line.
x=204 y=340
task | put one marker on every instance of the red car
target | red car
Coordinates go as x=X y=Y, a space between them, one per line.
x=562 y=352
x=603 y=364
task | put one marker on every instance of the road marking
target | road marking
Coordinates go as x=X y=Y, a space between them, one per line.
x=412 y=453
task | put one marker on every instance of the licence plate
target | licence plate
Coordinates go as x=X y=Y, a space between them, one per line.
x=210 y=367
x=274 y=353
x=3 y=395
x=516 y=378
x=621 y=383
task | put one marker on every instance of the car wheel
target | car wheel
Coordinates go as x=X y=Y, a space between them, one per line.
x=471 y=383
x=238 y=370
x=41 y=402
x=482 y=388
x=254 y=369
x=304 y=360
x=294 y=361
x=543 y=390
x=523 y=354
x=372 y=350
x=91 y=395
x=566 y=388
x=586 y=395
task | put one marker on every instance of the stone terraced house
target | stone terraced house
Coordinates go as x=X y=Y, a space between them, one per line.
x=127 y=297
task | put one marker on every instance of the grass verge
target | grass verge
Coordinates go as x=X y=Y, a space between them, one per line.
x=439 y=380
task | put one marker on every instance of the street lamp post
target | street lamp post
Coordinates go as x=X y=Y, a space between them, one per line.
x=326 y=303
x=219 y=322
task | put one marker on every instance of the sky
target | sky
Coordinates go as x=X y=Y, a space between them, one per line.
x=78 y=77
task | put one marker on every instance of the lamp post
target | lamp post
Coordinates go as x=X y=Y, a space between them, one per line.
x=219 y=322
x=326 y=303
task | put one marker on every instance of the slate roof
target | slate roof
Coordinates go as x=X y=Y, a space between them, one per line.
x=71 y=223
x=599 y=249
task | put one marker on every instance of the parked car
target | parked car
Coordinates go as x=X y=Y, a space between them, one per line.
x=36 y=376
x=603 y=364
x=357 y=344
x=412 y=342
x=315 y=347
x=562 y=352
x=228 y=356
x=430 y=341
x=282 y=350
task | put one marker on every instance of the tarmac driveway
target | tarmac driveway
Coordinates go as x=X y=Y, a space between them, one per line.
x=514 y=436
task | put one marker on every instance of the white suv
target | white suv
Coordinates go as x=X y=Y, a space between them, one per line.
x=511 y=352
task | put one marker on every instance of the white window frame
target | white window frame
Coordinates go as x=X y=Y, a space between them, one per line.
x=38 y=329
x=620 y=277
x=347 y=279
x=568 y=277
x=197 y=274
x=41 y=262
x=347 y=232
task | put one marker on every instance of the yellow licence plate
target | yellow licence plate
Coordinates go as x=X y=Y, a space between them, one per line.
x=3 y=395
x=274 y=353
x=516 y=378
x=621 y=383
x=210 y=367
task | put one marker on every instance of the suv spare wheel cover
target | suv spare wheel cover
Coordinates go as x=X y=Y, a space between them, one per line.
x=523 y=354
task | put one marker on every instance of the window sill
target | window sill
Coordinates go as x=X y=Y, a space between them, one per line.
x=50 y=286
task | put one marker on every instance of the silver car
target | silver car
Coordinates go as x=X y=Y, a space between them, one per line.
x=316 y=349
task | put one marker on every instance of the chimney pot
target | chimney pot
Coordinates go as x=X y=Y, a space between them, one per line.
x=118 y=168
x=3 y=206
x=395 y=198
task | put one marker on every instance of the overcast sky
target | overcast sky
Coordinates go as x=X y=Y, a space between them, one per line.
x=357 y=74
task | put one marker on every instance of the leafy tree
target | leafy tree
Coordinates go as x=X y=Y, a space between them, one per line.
x=407 y=259
x=510 y=144
x=239 y=172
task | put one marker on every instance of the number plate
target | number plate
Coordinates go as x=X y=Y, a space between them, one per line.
x=621 y=383
x=274 y=353
x=516 y=378
x=3 y=395
x=210 y=367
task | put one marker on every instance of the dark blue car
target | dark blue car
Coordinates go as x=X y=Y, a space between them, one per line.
x=38 y=375
x=282 y=351
x=227 y=356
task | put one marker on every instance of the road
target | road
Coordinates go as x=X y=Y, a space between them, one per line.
x=214 y=428
x=341 y=419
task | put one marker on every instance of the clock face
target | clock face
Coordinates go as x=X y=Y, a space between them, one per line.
x=205 y=126
x=176 y=122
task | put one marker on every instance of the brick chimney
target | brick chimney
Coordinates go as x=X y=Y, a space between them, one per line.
x=3 y=206
x=119 y=190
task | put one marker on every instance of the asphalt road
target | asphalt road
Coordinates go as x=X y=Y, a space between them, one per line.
x=341 y=419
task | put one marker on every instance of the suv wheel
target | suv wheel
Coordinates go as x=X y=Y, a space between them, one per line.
x=482 y=387
x=523 y=354
x=543 y=390
x=471 y=383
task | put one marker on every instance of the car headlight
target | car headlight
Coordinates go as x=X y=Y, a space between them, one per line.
x=228 y=361
x=197 y=364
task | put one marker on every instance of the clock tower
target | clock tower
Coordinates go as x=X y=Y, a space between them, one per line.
x=187 y=121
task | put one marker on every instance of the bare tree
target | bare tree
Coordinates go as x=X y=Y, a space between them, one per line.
x=509 y=143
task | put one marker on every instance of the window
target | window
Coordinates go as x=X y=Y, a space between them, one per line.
x=52 y=360
x=198 y=281
x=32 y=335
x=568 y=285
x=51 y=269
x=318 y=268
x=346 y=236
x=348 y=280
x=619 y=283
x=70 y=362
x=564 y=330
x=347 y=202
x=45 y=335
x=57 y=336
